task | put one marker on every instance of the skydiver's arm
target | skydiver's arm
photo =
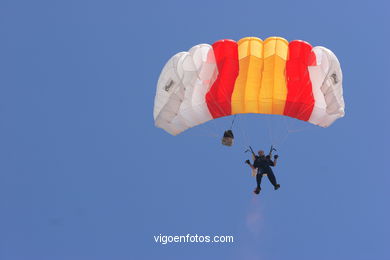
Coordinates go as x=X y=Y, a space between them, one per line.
x=274 y=162
x=251 y=165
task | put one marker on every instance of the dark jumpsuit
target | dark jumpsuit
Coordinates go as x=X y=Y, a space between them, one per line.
x=263 y=167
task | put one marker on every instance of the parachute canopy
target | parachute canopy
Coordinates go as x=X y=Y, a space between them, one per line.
x=273 y=76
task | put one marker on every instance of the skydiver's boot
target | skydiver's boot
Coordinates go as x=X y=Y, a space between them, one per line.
x=257 y=190
x=277 y=186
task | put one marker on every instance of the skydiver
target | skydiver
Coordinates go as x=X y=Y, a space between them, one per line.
x=262 y=163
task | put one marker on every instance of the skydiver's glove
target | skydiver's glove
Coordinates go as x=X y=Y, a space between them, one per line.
x=276 y=156
x=248 y=162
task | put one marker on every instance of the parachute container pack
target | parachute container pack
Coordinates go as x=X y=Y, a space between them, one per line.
x=228 y=138
x=273 y=76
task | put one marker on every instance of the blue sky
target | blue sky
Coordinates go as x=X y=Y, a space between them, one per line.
x=84 y=174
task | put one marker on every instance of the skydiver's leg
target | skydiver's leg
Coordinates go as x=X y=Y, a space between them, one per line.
x=258 y=179
x=272 y=179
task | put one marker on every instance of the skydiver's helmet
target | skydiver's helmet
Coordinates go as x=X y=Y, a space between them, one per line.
x=228 y=138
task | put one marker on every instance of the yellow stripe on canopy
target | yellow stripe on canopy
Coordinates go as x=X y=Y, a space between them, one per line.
x=273 y=92
x=248 y=82
x=261 y=84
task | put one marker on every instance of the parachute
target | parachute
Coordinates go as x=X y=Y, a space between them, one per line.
x=226 y=78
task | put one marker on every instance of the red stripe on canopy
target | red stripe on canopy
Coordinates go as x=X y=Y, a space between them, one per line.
x=218 y=98
x=300 y=100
